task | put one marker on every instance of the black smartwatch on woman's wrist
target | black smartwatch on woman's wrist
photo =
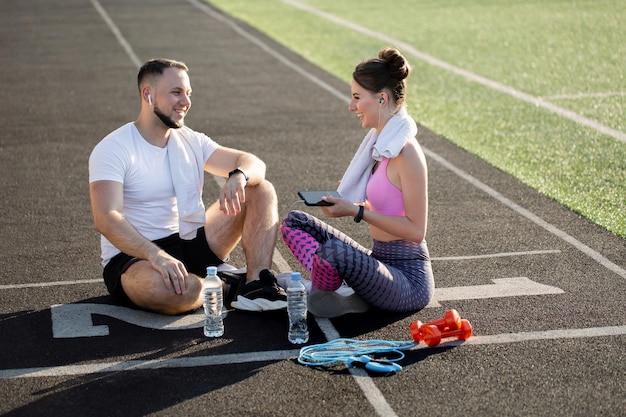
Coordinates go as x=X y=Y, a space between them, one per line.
x=359 y=215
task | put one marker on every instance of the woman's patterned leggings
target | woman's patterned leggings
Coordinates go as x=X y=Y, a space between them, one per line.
x=393 y=276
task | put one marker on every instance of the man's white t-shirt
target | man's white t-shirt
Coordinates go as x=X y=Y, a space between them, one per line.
x=150 y=204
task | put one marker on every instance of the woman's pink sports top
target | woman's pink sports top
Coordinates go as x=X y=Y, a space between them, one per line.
x=382 y=195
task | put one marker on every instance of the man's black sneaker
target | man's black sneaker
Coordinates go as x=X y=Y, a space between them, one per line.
x=261 y=295
x=233 y=280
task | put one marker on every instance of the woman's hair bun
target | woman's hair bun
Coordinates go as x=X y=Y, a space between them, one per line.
x=398 y=66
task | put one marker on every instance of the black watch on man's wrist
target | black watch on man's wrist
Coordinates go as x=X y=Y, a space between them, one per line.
x=238 y=170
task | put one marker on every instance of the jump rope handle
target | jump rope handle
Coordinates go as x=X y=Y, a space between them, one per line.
x=366 y=362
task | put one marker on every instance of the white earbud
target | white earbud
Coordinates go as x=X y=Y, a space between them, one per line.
x=149 y=99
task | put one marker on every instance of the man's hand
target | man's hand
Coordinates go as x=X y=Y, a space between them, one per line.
x=233 y=195
x=172 y=271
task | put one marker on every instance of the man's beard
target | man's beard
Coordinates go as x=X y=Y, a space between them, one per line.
x=167 y=121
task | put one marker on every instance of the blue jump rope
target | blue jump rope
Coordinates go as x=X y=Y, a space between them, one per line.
x=356 y=353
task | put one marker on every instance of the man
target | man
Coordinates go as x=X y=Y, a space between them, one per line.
x=145 y=184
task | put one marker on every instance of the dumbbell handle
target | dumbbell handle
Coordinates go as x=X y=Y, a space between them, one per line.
x=450 y=321
x=432 y=335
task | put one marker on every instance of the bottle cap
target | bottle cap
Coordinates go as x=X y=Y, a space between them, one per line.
x=211 y=270
x=295 y=276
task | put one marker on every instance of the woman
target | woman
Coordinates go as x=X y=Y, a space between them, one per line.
x=386 y=186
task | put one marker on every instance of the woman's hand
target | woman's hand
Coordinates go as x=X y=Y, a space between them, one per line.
x=340 y=207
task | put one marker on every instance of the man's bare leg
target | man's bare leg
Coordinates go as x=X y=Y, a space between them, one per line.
x=145 y=287
x=256 y=227
x=260 y=228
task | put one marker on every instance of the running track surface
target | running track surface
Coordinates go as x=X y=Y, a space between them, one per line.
x=543 y=288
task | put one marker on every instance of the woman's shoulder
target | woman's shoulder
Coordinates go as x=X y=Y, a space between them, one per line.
x=410 y=149
x=410 y=157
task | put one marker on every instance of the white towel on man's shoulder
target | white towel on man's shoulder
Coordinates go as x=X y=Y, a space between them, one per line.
x=374 y=147
x=187 y=168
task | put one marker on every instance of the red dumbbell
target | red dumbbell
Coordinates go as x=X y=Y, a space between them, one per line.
x=450 y=321
x=432 y=335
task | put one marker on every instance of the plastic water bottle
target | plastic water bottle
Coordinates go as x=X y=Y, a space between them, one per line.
x=296 y=309
x=213 y=303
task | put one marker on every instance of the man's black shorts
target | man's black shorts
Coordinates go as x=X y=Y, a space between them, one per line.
x=195 y=254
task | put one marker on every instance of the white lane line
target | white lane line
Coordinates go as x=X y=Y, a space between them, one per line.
x=495 y=255
x=50 y=284
x=76 y=320
x=118 y=34
x=278 y=355
x=585 y=95
x=258 y=42
x=501 y=287
x=537 y=101
x=136 y=365
x=372 y=393
x=283 y=266
x=596 y=256
x=548 y=335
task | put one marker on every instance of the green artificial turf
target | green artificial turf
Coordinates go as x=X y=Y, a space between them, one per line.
x=570 y=53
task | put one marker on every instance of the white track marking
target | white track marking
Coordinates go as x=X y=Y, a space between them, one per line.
x=136 y=365
x=50 y=284
x=118 y=34
x=501 y=287
x=258 y=42
x=75 y=320
x=494 y=255
x=278 y=355
x=537 y=101
x=283 y=266
x=596 y=256
x=585 y=95
x=547 y=335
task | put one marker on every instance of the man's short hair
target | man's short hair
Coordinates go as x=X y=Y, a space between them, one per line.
x=155 y=67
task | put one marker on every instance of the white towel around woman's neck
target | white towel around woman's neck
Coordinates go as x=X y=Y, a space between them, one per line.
x=187 y=170
x=374 y=147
